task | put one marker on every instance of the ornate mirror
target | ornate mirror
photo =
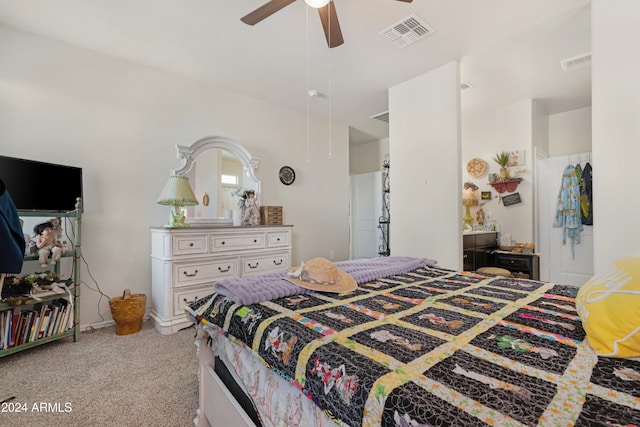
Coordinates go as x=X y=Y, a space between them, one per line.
x=218 y=169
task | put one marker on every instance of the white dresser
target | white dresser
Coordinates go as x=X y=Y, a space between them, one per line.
x=186 y=262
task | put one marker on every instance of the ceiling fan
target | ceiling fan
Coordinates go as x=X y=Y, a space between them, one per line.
x=326 y=10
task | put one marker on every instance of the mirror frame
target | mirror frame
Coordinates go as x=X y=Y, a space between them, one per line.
x=189 y=154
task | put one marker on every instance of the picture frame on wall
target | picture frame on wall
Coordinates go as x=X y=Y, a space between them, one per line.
x=511 y=199
x=485 y=195
x=516 y=158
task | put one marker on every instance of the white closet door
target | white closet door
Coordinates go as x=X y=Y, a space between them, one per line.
x=366 y=209
x=557 y=264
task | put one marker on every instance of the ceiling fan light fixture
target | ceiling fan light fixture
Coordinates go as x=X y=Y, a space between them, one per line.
x=317 y=3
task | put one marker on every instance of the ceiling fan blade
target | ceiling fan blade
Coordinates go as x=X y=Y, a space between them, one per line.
x=330 y=24
x=265 y=11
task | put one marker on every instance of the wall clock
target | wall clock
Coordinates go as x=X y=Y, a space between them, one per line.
x=287 y=175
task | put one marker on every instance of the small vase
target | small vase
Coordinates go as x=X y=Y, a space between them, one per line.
x=504 y=174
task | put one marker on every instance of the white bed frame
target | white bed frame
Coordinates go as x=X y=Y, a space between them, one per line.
x=217 y=406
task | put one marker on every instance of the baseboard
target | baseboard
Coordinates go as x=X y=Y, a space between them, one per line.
x=100 y=325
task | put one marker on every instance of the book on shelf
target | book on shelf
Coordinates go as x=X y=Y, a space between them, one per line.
x=44 y=323
x=37 y=323
x=24 y=324
x=14 y=326
x=5 y=329
x=52 y=320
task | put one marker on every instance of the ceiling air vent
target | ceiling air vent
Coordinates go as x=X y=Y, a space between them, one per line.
x=576 y=62
x=383 y=117
x=408 y=31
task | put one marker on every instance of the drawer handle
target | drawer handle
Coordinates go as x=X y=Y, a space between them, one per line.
x=278 y=239
x=191 y=244
x=253 y=266
x=187 y=301
x=278 y=263
x=255 y=240
x=223 y=242
x=191 y=275
x=224 y=271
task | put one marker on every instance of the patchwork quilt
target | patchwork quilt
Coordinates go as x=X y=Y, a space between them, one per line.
x=437 y=347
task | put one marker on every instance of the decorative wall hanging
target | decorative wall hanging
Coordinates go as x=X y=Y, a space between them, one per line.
x=511 y=199
x=476 y=167
x=516 y=158
x=385 y=220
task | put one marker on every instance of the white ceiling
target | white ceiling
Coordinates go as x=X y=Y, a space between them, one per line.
x=509 y=50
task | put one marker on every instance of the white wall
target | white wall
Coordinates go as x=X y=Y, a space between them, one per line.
x=570 y=132
x=367 y=157
x=616 y=129
x=540 y=127
x=425 y=176
x=484 y=135
x=120 y=121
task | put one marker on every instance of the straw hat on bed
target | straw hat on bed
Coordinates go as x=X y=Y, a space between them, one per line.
x=320 y=274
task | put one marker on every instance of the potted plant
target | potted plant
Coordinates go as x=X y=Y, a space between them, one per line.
x=502 y=159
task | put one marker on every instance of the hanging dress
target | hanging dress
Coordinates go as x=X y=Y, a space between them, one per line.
x=568 y=215
x=586 y=195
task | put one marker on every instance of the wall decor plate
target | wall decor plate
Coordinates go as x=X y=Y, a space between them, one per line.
x=476 y=167
x=287 y=175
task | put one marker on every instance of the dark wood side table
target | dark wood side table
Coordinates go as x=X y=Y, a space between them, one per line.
x=477 y=248
x=526 y=266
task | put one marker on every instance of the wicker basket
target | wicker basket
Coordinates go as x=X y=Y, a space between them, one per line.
x=127 y=311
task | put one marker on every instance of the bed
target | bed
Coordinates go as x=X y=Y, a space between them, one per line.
x=428 y=346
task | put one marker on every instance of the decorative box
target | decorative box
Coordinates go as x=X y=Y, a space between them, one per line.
x=271 y=215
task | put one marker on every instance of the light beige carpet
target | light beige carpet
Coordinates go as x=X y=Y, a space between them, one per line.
x=142 y=379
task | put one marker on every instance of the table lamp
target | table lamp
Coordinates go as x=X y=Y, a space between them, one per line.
x=177 y=192
x=469 y=201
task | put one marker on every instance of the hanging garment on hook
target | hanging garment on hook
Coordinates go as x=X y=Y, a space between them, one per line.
x=11 y=235
x=578 y=170
x=586 y=195
x=568 y=214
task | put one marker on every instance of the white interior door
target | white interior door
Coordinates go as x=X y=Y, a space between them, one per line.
x=366 y=209
x=557 y=263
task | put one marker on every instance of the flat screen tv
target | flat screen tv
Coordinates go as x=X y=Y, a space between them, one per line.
x=40 y=186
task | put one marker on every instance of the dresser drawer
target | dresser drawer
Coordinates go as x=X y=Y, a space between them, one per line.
x=190 y=244
x=261 y=264
x=189 y=273
x=182 y=298
x=230 y=242
x=278 y=239
x=511 y=262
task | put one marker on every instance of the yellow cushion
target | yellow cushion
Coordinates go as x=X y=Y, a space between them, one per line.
x=609 y=306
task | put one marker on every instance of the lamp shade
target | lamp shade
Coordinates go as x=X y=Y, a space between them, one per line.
x=177 y=192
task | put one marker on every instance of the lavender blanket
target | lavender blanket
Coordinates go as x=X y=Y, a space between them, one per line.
x=269 y=286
